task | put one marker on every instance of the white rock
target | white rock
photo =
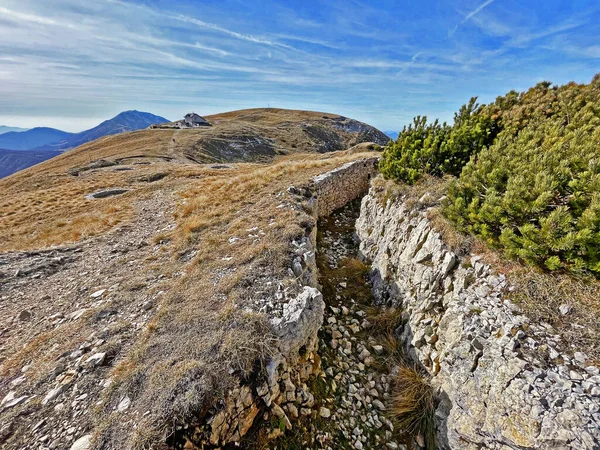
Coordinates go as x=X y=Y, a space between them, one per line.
x=52 y=394
x=83 y=443
x=564 y=309
x=324 y=412
x=98 y=294
x=124 y=404
x=95 y=360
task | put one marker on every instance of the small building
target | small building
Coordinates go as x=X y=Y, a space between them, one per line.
x=195 y=120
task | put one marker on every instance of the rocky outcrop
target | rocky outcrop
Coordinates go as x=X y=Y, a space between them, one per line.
x=503 y=381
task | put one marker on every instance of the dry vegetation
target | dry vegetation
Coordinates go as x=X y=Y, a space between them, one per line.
x=45 y=205
x=206 y=335
x=413 y=405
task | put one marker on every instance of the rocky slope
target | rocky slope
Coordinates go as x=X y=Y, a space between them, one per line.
x=504 y=381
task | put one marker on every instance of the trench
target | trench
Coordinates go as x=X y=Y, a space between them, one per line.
x=354 y=391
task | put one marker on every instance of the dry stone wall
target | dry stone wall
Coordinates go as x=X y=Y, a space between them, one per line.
x=503 y=381
x=336 y=188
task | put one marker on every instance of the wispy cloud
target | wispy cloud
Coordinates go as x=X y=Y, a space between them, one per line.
x=363 y=60
x=470 y=15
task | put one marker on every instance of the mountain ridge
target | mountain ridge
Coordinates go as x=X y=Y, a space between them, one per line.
x=49 y=142
x=6 y=129
x=46 y=138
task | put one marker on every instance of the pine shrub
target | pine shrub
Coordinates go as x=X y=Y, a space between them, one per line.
x=536 y=191
x=437 y=149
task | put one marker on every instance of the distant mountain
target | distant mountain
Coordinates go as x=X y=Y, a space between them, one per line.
x=392 y=134
x=39 y=144
x=53 y=139
x=12 y=161
x=121 y=123
x=5 y=129
x=30 y=139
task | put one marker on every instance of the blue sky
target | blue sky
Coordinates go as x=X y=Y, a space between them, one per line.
x=70 y=64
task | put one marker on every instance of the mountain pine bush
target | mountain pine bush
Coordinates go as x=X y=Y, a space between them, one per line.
x=536 y=191
x=436 y=149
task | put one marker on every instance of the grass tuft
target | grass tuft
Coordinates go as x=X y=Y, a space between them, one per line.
x=413 y=405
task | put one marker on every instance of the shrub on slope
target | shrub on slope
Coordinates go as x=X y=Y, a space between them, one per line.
x=536 y=191
x=435 y=149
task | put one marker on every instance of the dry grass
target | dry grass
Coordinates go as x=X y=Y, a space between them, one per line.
x=384 y=321
x=541 y=294
x=461 y=244
x=414 y=197
x=45 y=205
x=413 y=405
x=206 y=337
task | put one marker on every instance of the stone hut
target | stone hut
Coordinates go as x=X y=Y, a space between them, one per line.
x=195 y=120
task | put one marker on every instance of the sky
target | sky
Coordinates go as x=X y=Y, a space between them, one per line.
x=71 y=64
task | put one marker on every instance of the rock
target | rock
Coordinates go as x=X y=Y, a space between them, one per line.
x=324 y=412
x=53 y=393
x=17 y=381
x=378 y=349
x=95 y=360
x=25 y=315
x=98 y=294
x=83 y=443
x=564 y=309
x=11 y=400
x=279 y=413
x=379 y=405
x=124 y=404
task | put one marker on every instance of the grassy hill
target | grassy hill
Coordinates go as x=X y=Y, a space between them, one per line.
x=46 y=204
x=113 y=270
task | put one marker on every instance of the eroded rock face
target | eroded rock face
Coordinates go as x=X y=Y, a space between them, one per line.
x=496 y=389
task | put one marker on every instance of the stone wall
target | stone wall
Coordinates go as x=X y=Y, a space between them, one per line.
x=503 y=381
x=336 y=188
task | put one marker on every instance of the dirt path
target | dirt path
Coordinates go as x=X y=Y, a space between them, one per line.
x=66 y=317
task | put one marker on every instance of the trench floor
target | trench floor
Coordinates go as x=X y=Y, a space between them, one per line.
x=353 y=392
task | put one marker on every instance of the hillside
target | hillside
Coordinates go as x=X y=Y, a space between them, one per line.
x=48 y=142
x=7 y=129
x=121 y=123
x=99 y=239
x=38 y=199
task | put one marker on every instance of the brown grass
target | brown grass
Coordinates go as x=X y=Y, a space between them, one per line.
x=206 y=337
x=413 y=196
x=461 y=244
x=541 y=294
x=45 y=205
x=413 y=405
x=384 y=321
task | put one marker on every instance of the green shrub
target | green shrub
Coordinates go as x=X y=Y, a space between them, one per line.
x=536 y=191
x=436 y=149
